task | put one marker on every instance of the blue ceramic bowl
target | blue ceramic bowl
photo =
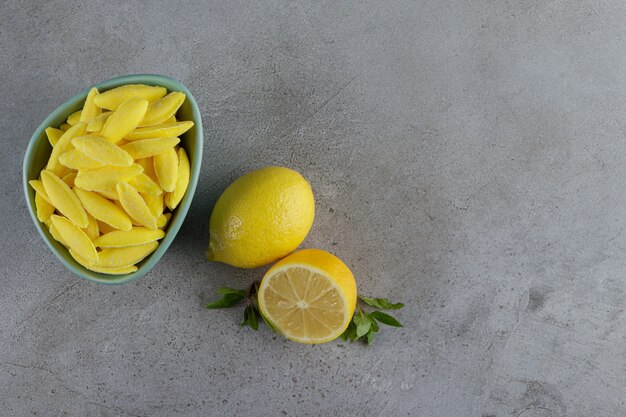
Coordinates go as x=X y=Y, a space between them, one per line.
x=39 y=150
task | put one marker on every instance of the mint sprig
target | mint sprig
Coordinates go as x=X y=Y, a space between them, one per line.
x=232 y=297
x=364 y=325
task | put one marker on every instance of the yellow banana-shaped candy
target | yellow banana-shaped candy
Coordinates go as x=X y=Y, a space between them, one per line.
x=161 y=110
x=102 y=150
x=64 y=199
x=173 y=198
x=145 y=148
x=105 y=179
x=110 y=194
x=134 y=206
x=90 y=110
x=156 y=206
x=103 y=210
x=63 y=145
x=55 y=233
x=39 y=188
x=75 y=238
x=102 y=269
x=75 y=159
x=149 y=198
x=145 y=184
x=171 y=120
x=160 y=131
x=53 y=135
x=96 y=124
x=125 y=119
x=64 y=127
x=148 y=167
x=44 y=209
x=163 y=220
x=92 y=231
x=113 y=98
x=124 y=257
x=136 y=236
x=166 y=169
x=74 y=118
x=105 y=228
x=69 y=179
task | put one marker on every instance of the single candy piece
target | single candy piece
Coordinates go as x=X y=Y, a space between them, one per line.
x=105 y=179
x=44 y=208
x=63 y=145
x=101 y=269
x=148 y=167
x=53 y=135
x=145 y=148
x=74 y=118
x=76 y=159
x=134 y=205
x=103 y=151
x=166 y=168
x=75 y=238
x=39 y=188
x=125 y=119
x=173 y=198
x=55 y=233
x=163 y=220
x=171 y=120
x=96 y=124
x=110 y=194
x=64 y=199
x=105 y=228
x=124 y=257
x=64 y=127
x=156 y=206
x=90 y=110
x=103 y=210
x=114 y=97
x=69 y=179
x=161 y=110
x=160 y=131
x=145 y=184
x=149 y=198
x=136 y=236
x=92 y=231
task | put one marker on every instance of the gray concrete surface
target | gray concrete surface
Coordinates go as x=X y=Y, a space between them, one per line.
x=468 y=159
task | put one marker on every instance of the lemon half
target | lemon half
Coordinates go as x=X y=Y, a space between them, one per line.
x=309 y=296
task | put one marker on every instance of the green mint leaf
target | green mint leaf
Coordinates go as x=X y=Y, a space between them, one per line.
x=227 y=290
x=250 y=317
x=230 y=297
x=374 y=324
x=254 y=318
x=385 y=319
x=350 y=332
x=381 y=303
x=363 y=323
x=370 y=336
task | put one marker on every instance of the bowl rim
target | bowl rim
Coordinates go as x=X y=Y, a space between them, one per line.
x=195 y=161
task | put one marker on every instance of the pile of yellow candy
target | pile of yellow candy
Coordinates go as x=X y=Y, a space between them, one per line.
x=114 y=176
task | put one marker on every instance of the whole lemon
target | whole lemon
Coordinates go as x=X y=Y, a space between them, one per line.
x=261 y=217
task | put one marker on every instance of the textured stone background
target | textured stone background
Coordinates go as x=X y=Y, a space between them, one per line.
x=468 y=159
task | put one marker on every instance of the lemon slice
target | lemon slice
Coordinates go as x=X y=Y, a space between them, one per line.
x=309 y=296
